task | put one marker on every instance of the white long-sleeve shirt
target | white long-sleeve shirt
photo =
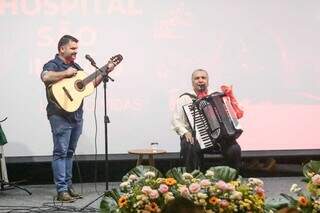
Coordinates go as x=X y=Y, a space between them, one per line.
x=179 y=122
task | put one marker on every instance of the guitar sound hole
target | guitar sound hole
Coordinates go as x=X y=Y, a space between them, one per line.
x=79 y=85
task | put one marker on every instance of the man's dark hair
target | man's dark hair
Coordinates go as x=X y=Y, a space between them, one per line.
x=65 y=40
x=181 y=205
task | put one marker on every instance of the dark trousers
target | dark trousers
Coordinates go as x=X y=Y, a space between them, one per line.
x=192 y=155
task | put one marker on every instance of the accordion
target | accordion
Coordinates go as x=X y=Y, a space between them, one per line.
x=212 y=118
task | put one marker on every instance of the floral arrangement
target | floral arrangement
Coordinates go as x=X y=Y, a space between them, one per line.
x=145 y=190
x=306 y=201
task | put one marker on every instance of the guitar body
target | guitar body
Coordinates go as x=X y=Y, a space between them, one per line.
x=68 y=93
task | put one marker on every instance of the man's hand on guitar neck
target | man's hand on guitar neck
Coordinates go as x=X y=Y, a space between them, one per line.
x=52 y=76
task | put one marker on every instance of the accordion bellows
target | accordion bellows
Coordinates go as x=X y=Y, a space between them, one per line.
x=213 y=118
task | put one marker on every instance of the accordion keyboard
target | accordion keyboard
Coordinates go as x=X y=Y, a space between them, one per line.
x=197 y=120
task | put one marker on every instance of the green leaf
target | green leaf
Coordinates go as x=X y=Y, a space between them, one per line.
x=109 y=202
x=140 y=170
x=224 y=173
x=177 y=173
x=197 y=174
x=276 y=203
x=114 y=193
x=290 y=199
x=311 y=167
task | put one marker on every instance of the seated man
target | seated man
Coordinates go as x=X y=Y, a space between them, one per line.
x=191 y=152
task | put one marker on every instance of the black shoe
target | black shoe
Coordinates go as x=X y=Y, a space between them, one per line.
x=74 y=194
x=65 y=197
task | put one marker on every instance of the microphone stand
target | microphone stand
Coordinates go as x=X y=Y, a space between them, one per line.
x=106 y=121
x=5 y=184
x=105 y=79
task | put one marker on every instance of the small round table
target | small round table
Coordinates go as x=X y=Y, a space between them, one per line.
x=149 y=152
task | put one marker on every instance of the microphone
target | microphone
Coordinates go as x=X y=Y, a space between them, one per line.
x=93 y=63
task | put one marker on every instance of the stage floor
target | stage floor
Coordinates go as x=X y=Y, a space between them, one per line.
x=42 y=196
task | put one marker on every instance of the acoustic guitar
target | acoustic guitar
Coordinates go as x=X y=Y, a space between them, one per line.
x=68 y=93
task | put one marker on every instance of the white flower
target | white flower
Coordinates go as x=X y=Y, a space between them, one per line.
x=212 y=189
x=209 y=173
x=168 y=196
x=202 y=202
x=149 y=174
x=124 y=184
x=295 y=189
x=142 y=197
x=236 y=195
x=255 y=182
x=133 y=177
x=187 y=175
x=139 y=203
x=202 y=195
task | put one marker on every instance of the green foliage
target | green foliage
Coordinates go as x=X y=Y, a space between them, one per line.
x=144 y=190
x=177 y=173
x=224 y=173
x=140 y=170
x=109 y=201
x=311 y=168
x=276 y=203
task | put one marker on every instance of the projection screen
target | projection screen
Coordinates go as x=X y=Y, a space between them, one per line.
x=267 y=50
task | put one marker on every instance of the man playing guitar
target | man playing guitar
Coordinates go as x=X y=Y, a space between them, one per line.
x=66 y=126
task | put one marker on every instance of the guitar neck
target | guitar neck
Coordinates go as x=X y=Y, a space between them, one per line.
x=94 y=75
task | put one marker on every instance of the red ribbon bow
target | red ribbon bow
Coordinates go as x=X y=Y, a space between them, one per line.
x=227 y=90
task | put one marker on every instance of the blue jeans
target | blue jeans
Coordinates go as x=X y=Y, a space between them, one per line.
x=65 y=139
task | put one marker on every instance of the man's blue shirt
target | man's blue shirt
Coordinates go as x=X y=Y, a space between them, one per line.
x=58 y=65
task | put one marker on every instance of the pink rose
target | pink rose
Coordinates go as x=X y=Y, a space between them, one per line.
x=222 y=185
x=316 y=179
x=194 y=187
x=230 y=187
x=184 y=191
x=146 y=189
x=224 y=203
x=259 y=191
x=205 y=183
x=153 y=194
x=163 y=188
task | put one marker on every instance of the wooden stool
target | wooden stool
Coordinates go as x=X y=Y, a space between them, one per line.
x=149 y=152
